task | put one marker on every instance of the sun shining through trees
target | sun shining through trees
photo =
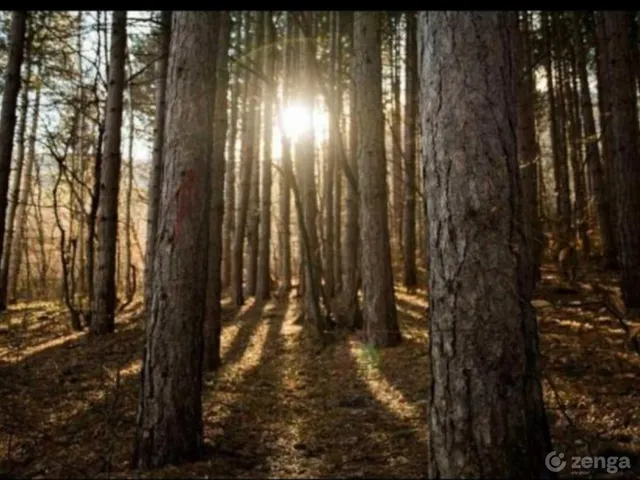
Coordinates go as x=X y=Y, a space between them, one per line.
x=297 y=120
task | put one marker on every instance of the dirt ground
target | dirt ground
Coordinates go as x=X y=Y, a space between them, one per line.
x=278 y=408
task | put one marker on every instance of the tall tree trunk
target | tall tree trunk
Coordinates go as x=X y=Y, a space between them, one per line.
x=563 y=188
x=246 y=167
x=560 y=171
x=329 y=176
x=285 y=193
x=128 y=265
x=411 y=99
x=155 y=178
x=82 y=154
x=104 y=298
x=626 y=156
x=380 y=318
x=336 y=145
x=253 y=227
x=25 y=193
x=594 y=165
x=263 y=287
x=396 y=130
x=98 y=135
x=93 y=213
x=528 y=147
x=576 y=160
x=169 y=425
x=351 y=251
x=8 y=116
x=305 y=159
x=606 y=124
x=230 y=170
x=212 y=321
x=487 y=416
x=15 y=193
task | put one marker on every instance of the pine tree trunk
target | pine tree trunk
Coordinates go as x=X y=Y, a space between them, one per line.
x=560 y=171
x=411 y=100
x=82 y=153
x=336 y=145
x=606 y=124
x=8 y=117
x=329 y=178
x=155 y=177
x=528 y=147
x=25 y=195
x=396 y=132
x=128 y=265
x=212 y=321
x=594 y=165
x=577 y=162
x=230 y=172
x=305 y=158
x=263 y=287
x=626 y=153
x=246 y=167
x=169 y=425
x=563 y=189
x=486 y=413
x=253 y=227
x=15 y=193
x=284 y=187
x=104 y=298
x=380 y=318
x=351 y=251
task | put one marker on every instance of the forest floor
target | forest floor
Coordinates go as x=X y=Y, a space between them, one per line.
x=278 y=407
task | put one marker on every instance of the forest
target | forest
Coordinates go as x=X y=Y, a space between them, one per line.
x=304 y=244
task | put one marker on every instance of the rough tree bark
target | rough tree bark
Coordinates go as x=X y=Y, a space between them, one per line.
x=486 y=413
x=380 y=317
x=25 y=193
x=396 y=130
x=576 y=158
x=212 y=321
x=305 y=159
x=128 y=265
x=329 y=179
x=263 y=287
x=15 y=193
x=169 y=425
x=528 y=146
x=155 y=177
x=626 y=155
x=285 y=193
x=594 y=165
x=8 y=115
x=411 y=98
x=104 y=298
x=351 y=255
x=98 y=135
x=81 y=152
x=246 y=167
x=560 y=170
x=230 y=170
x=336 y=146
x=253 y=226
x=605 y=114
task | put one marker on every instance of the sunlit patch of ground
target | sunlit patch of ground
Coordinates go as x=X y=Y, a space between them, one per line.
x=281 y=407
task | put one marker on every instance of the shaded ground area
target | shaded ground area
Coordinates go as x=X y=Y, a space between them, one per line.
x=278 y=407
